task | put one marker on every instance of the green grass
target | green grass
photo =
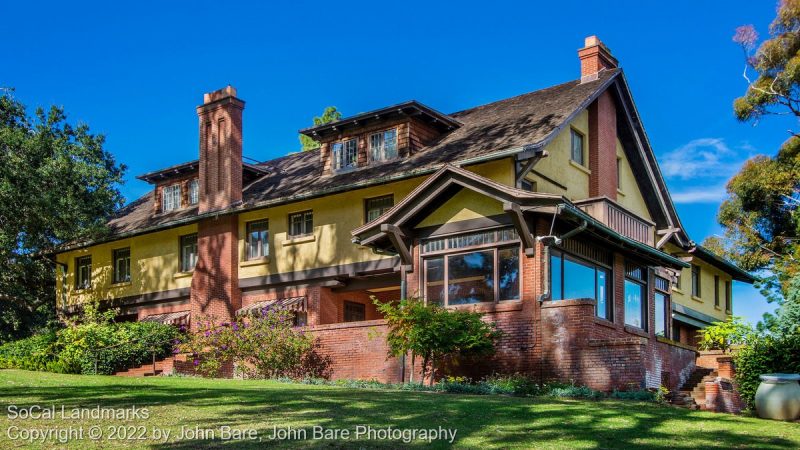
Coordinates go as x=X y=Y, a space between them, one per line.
x=482 y=421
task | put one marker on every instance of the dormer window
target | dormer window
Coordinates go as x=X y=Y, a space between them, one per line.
x=383 y=145
x=171 y=197
x=194 y=191
x=345 y=154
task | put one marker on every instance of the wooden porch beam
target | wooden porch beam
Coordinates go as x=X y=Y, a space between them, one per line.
x=396 y=236
x=518 y=219
x=528 y=166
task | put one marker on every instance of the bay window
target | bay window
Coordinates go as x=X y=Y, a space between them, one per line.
x=636 y=296
x=574 y=278
x=478 y=267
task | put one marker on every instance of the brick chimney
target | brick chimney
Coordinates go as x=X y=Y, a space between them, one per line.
x=220 y=149
x=595 y=56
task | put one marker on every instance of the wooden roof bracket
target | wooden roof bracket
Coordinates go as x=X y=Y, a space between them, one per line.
x=665 y=234
x=518 y=219
x=397 y=238
x=524 y=167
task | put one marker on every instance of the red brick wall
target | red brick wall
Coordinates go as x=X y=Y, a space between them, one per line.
x=215 y=281
x=603 y=147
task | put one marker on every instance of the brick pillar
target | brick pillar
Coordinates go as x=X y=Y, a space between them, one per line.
x=215 y=282
x=603 y=147
x=725 y=367
x=712 y=396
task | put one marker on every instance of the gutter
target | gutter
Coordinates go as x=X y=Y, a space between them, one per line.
x=739 y=274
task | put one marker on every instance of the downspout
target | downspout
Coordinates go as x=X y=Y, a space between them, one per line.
x=403 y=292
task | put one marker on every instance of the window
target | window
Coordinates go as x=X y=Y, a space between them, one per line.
x=528 y=185
x=383 y=145
x=300 y=319
x=257 y=239
x=301 y=224
x=662 y=316
x=83 y=272
x=375 y=207
x=188 y=252
x=695 y=280
x=728 y=298
x=122 y=265
x=354 y=312
x=345 y=154
x=488 y=271
x=577 y=147
x=618 y=169
x=636 y=296
x=194 y=191
x=573 y=278
x=716 y=291
x=171 y=197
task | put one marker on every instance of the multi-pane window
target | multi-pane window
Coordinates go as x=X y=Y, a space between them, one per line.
x=695 y=280
x=257 y=239
x=83 y=272
x=574 y=278
x=375 y=207
x=194 y=191
x=171 y=197
x=354 y=312
x=636 y=296
x=345 y=154
x=383 y=145
x=472 y=268
x=662 y=306
x=188 y=252
x=716 y=291
x=577 y=147
x=301 y=224
x=122 y=265
x=728 y=298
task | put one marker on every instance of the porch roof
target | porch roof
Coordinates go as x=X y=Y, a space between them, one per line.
x=291 y=303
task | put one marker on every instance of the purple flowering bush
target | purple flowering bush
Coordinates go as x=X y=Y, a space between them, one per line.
x=262 y=344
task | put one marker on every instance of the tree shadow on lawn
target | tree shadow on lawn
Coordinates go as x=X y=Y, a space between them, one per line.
x=486 y=421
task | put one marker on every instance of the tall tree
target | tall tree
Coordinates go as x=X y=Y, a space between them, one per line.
x=330 y=114
x=57 y=184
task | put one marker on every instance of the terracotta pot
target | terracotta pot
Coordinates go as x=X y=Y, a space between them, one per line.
x=778 y=396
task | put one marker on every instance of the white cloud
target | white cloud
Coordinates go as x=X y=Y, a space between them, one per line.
x=702 y=194
x=704 y=158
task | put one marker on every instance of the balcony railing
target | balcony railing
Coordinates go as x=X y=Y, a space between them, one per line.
x=619 y=219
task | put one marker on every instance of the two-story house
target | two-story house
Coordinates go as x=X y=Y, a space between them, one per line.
x=546 y=212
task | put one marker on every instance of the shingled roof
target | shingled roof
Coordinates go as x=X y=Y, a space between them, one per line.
x=494 y=130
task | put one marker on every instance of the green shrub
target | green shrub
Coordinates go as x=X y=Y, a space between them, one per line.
x=573 y=391
x=515 y=384
x=723 y=335
x=770 y=354
x=34 y=353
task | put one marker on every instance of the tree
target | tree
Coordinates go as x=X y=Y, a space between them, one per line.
x=760 y=215
x=723 y=335
x=330 y=114
x=57 y=184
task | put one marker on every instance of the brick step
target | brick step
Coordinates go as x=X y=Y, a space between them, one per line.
x=692 y=394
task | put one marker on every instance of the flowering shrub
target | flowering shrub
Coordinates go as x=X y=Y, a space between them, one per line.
x=263 y=344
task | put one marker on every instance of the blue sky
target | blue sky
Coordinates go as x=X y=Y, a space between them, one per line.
x=135 y=72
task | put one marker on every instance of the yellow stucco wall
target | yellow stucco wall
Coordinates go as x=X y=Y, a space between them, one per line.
x=155 y=256
x=559 y=167
x=628 y=194
x=154 y=267
x=465 y=205
x=704 y=303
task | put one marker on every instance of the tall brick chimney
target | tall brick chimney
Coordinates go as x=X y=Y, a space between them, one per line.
x=595 y=56
x=220 y=149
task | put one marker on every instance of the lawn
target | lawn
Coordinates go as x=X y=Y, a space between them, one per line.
x=480 y=421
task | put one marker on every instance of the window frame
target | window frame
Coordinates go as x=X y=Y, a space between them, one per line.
x=728 y=296
x=303 y=222
x=383 y=148
x=264 y=242
x=362 y=307
x=80 y=264
x=573 y=133
x=193 y=196
x=446 y=252
x=696 y=286
x=716 y=291
x=184 y=266
x=339 y=155
x=644 y=285
x=374 y=199
x=115 y=269
x=171 y=188
x=564 y=255
x=667 y=307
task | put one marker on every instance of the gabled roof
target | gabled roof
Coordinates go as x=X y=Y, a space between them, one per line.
x=251 y=170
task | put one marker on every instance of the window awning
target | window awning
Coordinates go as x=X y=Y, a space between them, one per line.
x=691 y=317
x=173 y=318
x=297 y=304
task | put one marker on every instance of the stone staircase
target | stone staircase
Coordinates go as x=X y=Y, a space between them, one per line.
x=692 y=394
x=162 y=366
